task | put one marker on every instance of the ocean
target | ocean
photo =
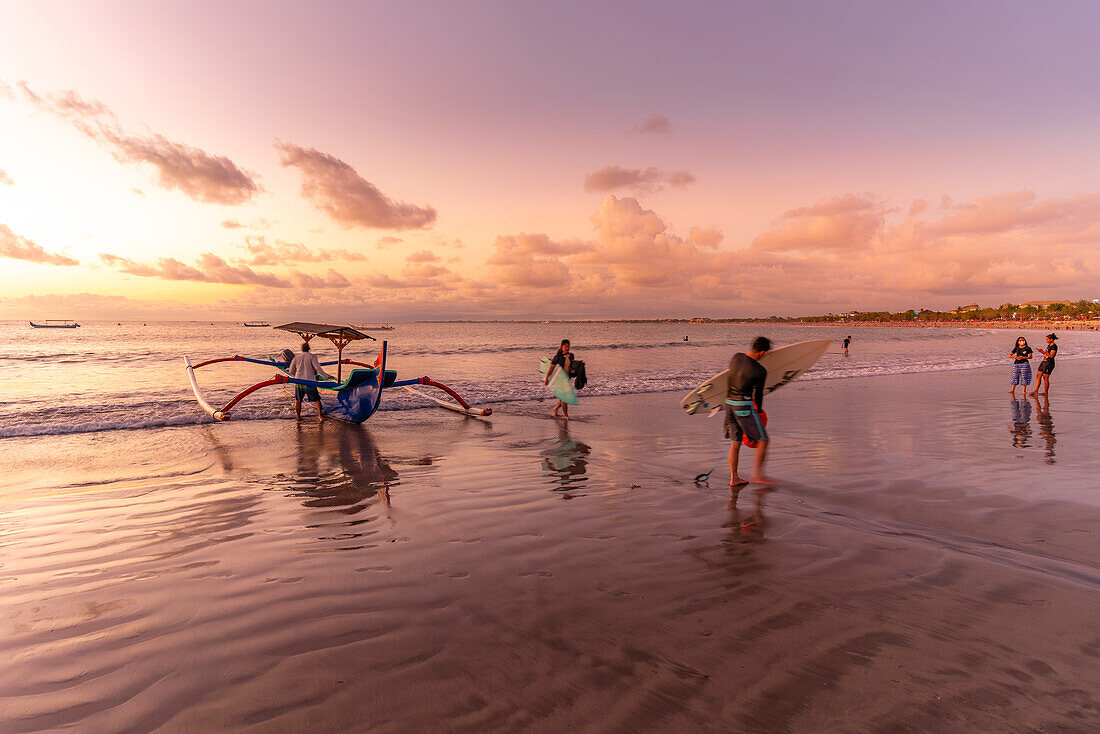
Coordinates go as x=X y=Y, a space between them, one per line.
x=109 y=376
x=927 y=560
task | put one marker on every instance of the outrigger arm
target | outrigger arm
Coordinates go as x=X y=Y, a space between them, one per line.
x=223 y=413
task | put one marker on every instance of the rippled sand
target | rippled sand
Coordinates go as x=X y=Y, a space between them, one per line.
x=928 y=563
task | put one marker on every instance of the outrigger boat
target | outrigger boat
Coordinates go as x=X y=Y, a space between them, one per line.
x=55 y=324
x=354 y=399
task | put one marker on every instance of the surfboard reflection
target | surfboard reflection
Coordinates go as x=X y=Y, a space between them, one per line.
x=566 y=461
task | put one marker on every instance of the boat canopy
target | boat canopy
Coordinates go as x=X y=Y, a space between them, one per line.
x=332 y=332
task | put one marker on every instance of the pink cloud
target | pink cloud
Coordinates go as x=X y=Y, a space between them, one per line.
x=264 y=253
x=422 y=256
x=654 y=125
x=709 y=237
x=200 y=175
x=211 y=269
x=336 y=189
x=21 y=248
x=641 y=180
x=844 y=223
x=5 y=179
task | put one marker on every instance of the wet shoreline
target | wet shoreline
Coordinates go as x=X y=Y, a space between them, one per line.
x=925 y=564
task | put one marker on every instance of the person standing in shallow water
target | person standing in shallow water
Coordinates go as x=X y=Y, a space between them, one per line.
x=563 y=360
x=744 y=398
x=1021 y=367
x=304 y=366
x=1047 y=365
x=847 y=341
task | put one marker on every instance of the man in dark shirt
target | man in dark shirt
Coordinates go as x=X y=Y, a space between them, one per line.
x=847 y=341
x=744 y=397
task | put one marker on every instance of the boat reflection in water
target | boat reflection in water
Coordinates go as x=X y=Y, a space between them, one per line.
x=339 y=466
x=1046 y=425
x=335 y=466
x=566 y=461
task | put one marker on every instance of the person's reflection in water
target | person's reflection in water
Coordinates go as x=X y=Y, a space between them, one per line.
x=1021 y=423
x=1046 y=425
x=566 y=461
x=360 y=474
x=745 y=526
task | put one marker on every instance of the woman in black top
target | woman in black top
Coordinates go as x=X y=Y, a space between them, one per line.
x=1047 y=365
x=1021 y=368
x=564 y=361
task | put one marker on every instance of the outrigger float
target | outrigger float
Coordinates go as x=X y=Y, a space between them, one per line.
x=354 y=399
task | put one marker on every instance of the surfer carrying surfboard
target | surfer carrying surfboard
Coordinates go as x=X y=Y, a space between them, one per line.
x=563 y=361
x=744 y=398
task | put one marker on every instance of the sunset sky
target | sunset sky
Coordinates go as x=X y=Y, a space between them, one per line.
x=378 y=161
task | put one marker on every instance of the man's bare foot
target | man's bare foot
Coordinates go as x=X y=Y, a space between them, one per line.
x=738 y=482
x=763 y=481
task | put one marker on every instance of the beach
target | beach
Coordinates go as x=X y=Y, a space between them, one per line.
x=927 y=562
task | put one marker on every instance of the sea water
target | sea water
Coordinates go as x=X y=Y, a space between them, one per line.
x=109 y=376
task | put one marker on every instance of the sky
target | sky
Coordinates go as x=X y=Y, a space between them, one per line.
x=379 y=161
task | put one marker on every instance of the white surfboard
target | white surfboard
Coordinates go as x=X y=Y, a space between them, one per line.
x=783 y=365
x=559 y=383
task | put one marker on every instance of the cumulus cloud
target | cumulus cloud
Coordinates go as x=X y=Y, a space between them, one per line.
x=843 y=223
x=20 y=248
x=641 y=180
x=200 y=175
x=709 y=237
x=654 y=125
x=336 y=189
x=386 y=242
x=422 y=256
x=5 y=179
x=261 y=252
x=232 y=224
x=532 y=260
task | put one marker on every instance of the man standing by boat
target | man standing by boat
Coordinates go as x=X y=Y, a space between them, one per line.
x=744 y=398
x=305 y=366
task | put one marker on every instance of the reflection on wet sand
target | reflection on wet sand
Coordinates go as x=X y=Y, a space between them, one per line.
x=749 y=525
x=565 y=461
x=1021 y=423
x=1046 y=426
x=337 y=465
x=360 y=472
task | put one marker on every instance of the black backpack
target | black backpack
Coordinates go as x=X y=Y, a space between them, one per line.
x=580 y=379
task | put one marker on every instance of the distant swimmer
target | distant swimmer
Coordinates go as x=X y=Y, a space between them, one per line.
x=847 y=341
x=744 y=398
x=564 y=361
x=1021 y=367
x=685 y=338
x=304 y=366
x=1047 y=365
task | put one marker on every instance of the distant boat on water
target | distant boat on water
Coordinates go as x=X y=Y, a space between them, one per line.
x=375 y=327
x=55 y=324
x=256 y=324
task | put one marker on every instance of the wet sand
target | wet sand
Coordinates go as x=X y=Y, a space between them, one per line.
x=927 y=563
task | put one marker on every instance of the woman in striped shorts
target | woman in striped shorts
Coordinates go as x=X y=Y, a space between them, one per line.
x=1021 y=369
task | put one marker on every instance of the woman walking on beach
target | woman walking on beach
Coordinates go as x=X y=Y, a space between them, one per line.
x=563 y=360
x=1021 y=368
x=1047 y=365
